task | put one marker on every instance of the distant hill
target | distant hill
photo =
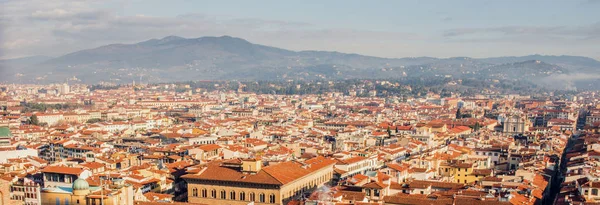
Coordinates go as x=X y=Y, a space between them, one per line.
x=21 y=62
x=175 y=58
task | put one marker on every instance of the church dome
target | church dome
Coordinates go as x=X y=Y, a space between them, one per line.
x=81 y=184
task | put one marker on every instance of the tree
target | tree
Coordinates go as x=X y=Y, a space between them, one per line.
x=477 y=126
x=33 y=120
x=94 y=120
x=389 y=131
x=458 y=114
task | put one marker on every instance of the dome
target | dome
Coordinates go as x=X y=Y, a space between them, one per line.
x=80 y=184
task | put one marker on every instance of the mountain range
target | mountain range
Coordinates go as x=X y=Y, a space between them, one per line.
x=174 y=58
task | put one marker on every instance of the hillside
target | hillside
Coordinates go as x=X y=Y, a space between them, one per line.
x=228 y=58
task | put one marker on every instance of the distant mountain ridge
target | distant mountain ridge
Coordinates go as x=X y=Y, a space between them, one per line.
x=175 y=58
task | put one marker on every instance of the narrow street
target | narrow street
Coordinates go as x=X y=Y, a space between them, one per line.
x=559 y=177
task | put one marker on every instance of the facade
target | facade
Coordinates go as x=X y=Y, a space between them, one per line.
x=81 y=193
x=26 y=191
x=59 y=176
x=515 y=124
x=246 y=181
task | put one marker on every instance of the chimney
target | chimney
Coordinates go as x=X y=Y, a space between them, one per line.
x=251 y=165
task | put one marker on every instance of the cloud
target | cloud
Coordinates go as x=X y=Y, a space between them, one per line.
x=57 y=27
x=63 y=26
x=580 y=32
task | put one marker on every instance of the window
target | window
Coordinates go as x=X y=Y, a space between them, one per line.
x=223 y=196
x=57 y=201
x=376 y=192
x=66 y=201
x=232 y=195
x=213 y=193
x=595 y=192
x=272 y=198
x=77 y=201
x=261 y=198
x=195 y=192
x=242 y=196
x=368 y=192
x=204 y=193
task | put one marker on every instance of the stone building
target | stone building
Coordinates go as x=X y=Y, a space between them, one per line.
x=244 y=181
x=515 y=124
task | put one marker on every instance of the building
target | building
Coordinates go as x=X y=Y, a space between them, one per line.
x=59 y=176
x=245 y=181
x=515 y=124
x=81 y=193
x=26 y=191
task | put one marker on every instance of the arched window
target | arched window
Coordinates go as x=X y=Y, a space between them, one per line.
x=204 y=193
x=252 y=197
x=223 y=194
x=195 y=192
x=272 y=198
x=261 y=198
x=232 y=195
x=213 y=193
x=242 y=196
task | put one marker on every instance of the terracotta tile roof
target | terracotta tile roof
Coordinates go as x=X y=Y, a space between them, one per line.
x=351 y=160
x=477 y=201
x=93 y=165
x=435 y=184
x=375 y=185
x=63 y=170
x=277 y=174
x=407 y=199
x=209 y=147
x=156 y=196
x=214 y=171
x=164 y=203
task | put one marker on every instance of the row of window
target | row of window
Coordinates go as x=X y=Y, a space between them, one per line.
x=23 y=189
x=233 y=195
x=594 y=192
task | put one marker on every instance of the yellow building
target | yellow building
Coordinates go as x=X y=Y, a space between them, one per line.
x=239 y=182
x=82 y=194
x=463 y=172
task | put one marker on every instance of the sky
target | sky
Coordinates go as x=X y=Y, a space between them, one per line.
x=398 y=28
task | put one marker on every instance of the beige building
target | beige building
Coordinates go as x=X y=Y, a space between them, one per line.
x=239 y=182
x=515 y=124
x=82 y=194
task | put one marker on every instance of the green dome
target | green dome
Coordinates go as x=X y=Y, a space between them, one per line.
x=80 y=184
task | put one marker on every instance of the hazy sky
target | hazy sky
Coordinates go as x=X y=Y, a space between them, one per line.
x=444 y=28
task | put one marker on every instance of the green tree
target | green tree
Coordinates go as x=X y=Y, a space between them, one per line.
x=33 y=120
x=94 y=120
